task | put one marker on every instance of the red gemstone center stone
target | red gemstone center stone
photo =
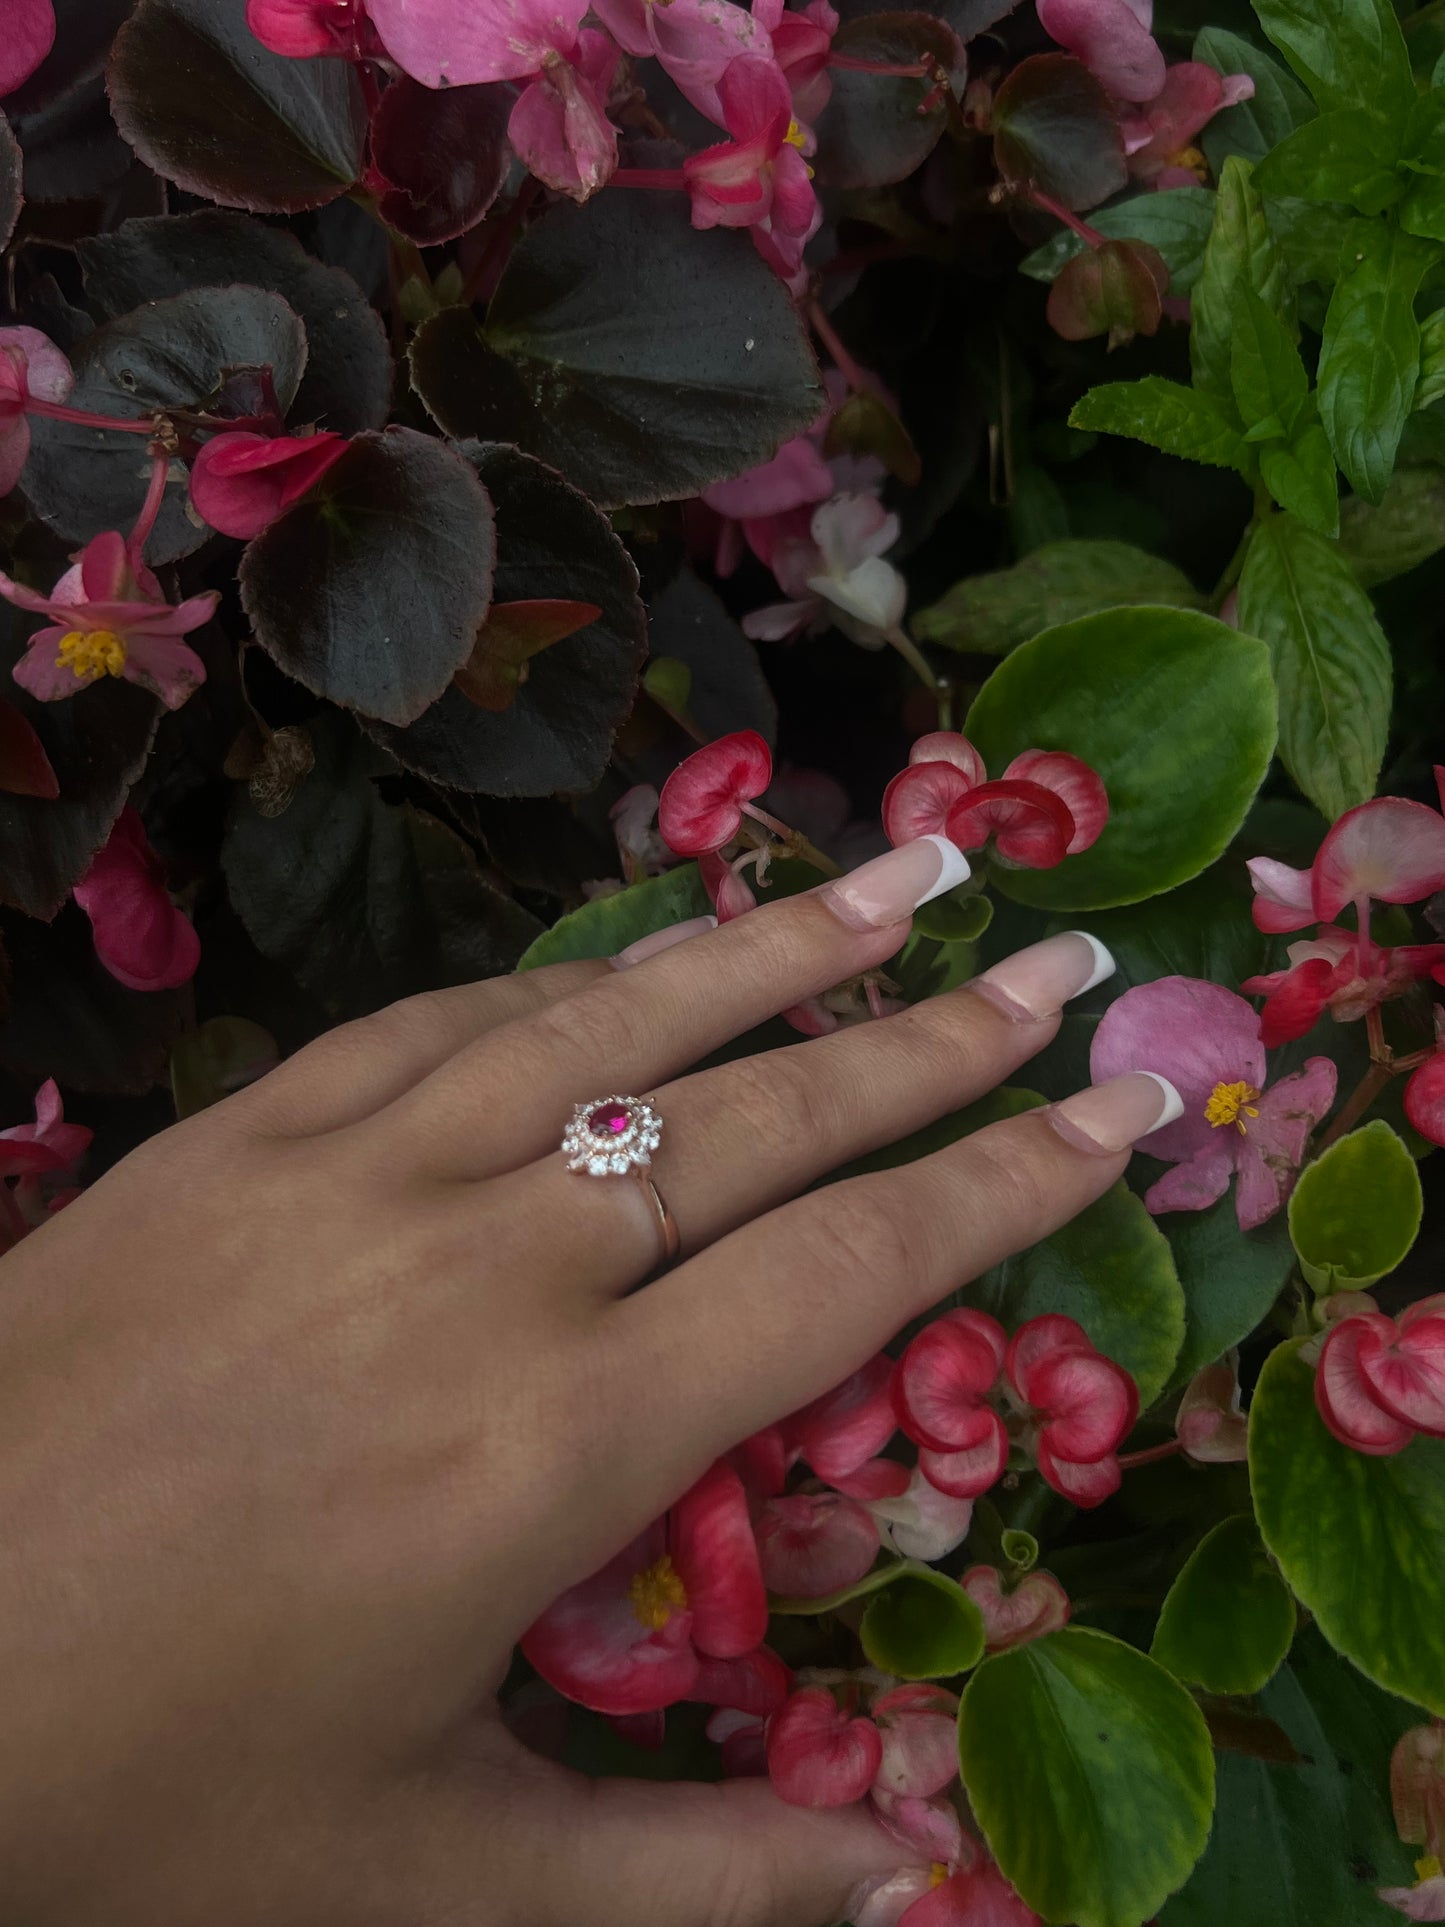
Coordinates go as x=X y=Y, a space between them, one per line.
x=610 y=1117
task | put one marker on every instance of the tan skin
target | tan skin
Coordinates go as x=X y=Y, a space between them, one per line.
x=313 y=1403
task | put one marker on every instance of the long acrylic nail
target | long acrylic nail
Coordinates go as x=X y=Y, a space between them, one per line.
x=891 y=887
x=1108 y=1118
x=660 y=940
x=1036 y=983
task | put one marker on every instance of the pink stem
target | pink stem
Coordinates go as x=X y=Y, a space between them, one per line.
x=1167 y=1450
x=768 y=822
x=1090 y=235
x=151 y=506
x=823 y=328
x=916 y=70
x=58 y=413
x=665 y=178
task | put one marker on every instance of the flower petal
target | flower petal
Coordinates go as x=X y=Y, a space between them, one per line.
x=701 y=805
x=968 y=1475
x=1424 y=1095
x=1390 y=849
x=819 y=1755
x=947 y=746
x=1079 y=788
x=710 y=1538
x=1283 y=896
x=918 y=1724
x=1405 y=1370
x=941 y=1384
x=1086 y=1485
x=1195 y=1033
x=917 y=802
x=813 y=1543
x=1108 y=37
x=838 y=1432
x=1343 y=1396
x=1037 y=1605
x=921 y=1522
x=1031 y=826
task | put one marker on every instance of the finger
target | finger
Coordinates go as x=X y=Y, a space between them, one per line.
x=782 y=1310
x=746 y=1136
x=503 y=1101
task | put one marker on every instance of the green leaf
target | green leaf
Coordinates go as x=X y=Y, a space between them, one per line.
x=1359 y=1539
x=1168 y=416
x=1144 y=696
x=1176 y=221
x=1230 y=1277
x=641 y=358
x=1348 y=52
x=1405 y=530
x=958 y=916
x=1370 y=354
x=1302 y=1844
x=1055 y=128
x=608 y=924
x=1228 y=1619
x=1202 y=929
x=1301 y=477
x=922 y=1625
x=206 y=106
x=1241 y=251
x=1331 y=662
x=1279 y=104
x=1311 y=236
x=1349 y=155
x=370 y=591
x=992 y=614
x=1431 y=385
x=864 y=1588
x=1422 y=212
x=1265 y=370
x=1110 y=1268
x=1354 y=1214
x=1091 y=1774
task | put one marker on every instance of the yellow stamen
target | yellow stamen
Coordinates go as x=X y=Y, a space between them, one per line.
x=91 y=652
x=656 y=1593
x=1428 y=1868
x=937 y=1874
x=1191 y=158
x=1227 y=1101
x=795 y=136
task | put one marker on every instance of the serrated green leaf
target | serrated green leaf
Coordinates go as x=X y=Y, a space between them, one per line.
x=1350 y=154
x=1311 y=236
x=1301 y=478
x=1168 y=416
x=1431 y=385
x=1331 y=661
x=1370 y=354
x=1175 y=220
x=1422 y=212
x=1265 y=369
x=1361 y=1540
x=1228 y=1619
x=1241 y=251
x=1251 y=128
x=1348 y=53
x=1354 y=1214
x=1405 y=530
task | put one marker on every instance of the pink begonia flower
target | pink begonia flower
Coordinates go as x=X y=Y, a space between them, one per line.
x=108 y=617
x=758 y=179
x=1417 y=1793
x=1081 y=1405
x=941 y=1392
x=49 y=1144
x=1046 y=806
x=29 y=36
x=30 y=364
x=695 y=42
x=812 y=1543
x=802 y=42
x=1206 y=1041
x=1113 y=40
x=821 y=1751
x=142 y=939
x=1283 y=896
x=1211 y=1426
x=638 y=1634
x=838 y=574
x=1390 y=849
x=1381 y=1380
x=1158 y=139
x=841 y=1434
x=1037 y=1605
x=706 y=797
x=1425 y=1097
x=241 y=482
x=963 y=1891
x=1342 y=971
x=921 y=1522
x=442 y=44
x=796 y=477
x=918 y=1725
x=559 y=127
x=302 y=29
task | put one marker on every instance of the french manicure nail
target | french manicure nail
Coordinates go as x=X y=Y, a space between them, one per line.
x=1108 y=1118
x=1036 y=983
x=891 y=887
x=660 y=940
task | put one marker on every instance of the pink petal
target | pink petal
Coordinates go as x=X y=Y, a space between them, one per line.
x=728 y=890
x=1190 y=97
x=1417 y=1783
x=14 y=450
x=779 y=621
x=1210 y=1426
x=761 y=1462
x=1424 y=1901
x=626 y=21
x=1108 y=37
x=35 y=365
x=303 y=29
x=1294 y=1000
x=29 y=36
x=1236 y=88
x=1085 y=1485
x=1030 y=825
x=968 y=1475
x=918 y=800
x=973 y=1897
x=819 y=1755
x=561 y=133
x=942 y=1383
x=41 y=672
x=1343 y=1396
x=919 y=1729
x=1037 y=1605
x=1270 y=1153
x=1405 y=1371
x=1193 y=1185
x=444 y=45
x=1088 y=1403
x=838 y=1432
x=874 y=1479
x=1079 y=788
x=947 y=746
x=814 y=1543
x=885 y=1900
x=141 y=938
x=241 y=482
x=702 y=801
x=1390 y=849
x=929 y=1828
x=105 y=575
x=1035 y=1342
x=921 y=1522
x=796 y=476
x=164 y=666
x=795 y=201
x=1424 y=1096
x=697 y=41
x=756 y=102
x=710 y=1538
x=1195 y=1033
x=755 y=1684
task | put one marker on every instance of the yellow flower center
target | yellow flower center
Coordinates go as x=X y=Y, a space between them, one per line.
x=657 y=1593
x=795 y=135
x=937 y=1874
x=1428 y=1868
x=1191 y=158
x=91 y=652
x=1227 y=1101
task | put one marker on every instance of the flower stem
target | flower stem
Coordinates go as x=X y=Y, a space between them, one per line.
x=1152 y=1453
x=151 y=507
x=913 y=656
x=1357 y=1103
x=912 y=70
x=794 y=843
x=662 y=178
x=58 y=412
x=842 y=360
x=1090 y=236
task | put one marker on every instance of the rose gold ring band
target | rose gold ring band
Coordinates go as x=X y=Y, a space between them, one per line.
x=668 y=1238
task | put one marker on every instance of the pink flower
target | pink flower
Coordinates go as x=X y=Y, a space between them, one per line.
x=241 y=482
x=760 y=174
x=1035 y=1605
x=1157 y=140
x=921 y=1522
x=29 y=36
x=559 y=126
x=639 y=843
x=640 y=1633
x=1210 y=1426
x=1425 y=1097
x=838 y=574
x=942 y=1389
x=302 y=29
x=442 y=44
x=49 y=1144
x=140 y=936
x=813 y=1543
x=964 y=1890
x=1046 y=806
x=1113 y=40
x=30 y=364
x=1342 y=971
x=1417 y=1793
x=821 y=1751
x=1206 y=1041
x=695 y=41
x=1081 y=1405
x=841 y=1434
x=707 y=795
x=796 y=477
x=802 y=43
x=1381 y=1380
x=918 y=1725
x=109 y=617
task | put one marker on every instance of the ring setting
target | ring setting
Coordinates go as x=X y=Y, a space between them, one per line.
x=612 y=1137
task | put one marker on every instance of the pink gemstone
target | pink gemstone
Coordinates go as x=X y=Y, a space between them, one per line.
x=610 y=1117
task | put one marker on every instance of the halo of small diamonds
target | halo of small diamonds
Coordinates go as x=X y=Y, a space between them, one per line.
x=611 y=1137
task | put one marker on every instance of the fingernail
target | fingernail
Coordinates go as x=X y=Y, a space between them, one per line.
x=1036 y=983
x=1108 y=1118
x=893 y=886
x=660 y=940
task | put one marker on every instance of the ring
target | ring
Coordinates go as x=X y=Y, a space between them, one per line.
x=616 y=1137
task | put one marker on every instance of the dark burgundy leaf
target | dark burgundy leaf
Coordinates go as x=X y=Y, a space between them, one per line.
x=444 y=156
x=84 y=30
x=1056 y=129
x=11 y=197
x=876 y=129
x=1116 y=289
x=728 y=690
x=24 y=767
x=72 y=151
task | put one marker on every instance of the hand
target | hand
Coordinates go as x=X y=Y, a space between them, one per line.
x=313 y=1404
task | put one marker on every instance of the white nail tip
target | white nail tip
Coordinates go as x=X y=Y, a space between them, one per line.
x=1173 y=1102
x=956 y=869
x=1104 y=965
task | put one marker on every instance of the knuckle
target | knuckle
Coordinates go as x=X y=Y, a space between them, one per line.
x=591 y=1026
x=790 y=1097
x=856 y=1228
